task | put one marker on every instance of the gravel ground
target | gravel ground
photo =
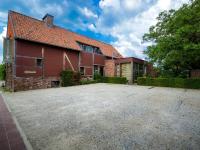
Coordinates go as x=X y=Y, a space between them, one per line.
x=108 y=117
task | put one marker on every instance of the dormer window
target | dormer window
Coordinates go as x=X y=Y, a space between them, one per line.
x=89 y=48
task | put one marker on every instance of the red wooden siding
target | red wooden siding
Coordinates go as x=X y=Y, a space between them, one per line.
x=28 y=52
x=99 y=59
x=20 y=71
x=88 y=71
x=53 y=61
x=74 y=58
x=23 y=61
x=24 y=48
x=86 y=59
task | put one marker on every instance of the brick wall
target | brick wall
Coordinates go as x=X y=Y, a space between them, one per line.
x=195 y=73
x=151 y=71
x=109 y=68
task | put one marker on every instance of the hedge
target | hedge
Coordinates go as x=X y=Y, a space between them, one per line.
x=117 y=80
x=170 y=82
x=70 y=78
x=88 y=82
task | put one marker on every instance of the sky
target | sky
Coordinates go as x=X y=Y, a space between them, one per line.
x=121 y=23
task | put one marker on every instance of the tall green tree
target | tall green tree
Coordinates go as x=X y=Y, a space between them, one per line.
x=176 y=39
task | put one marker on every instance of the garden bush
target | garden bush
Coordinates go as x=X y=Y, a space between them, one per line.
x=98 y=77
x=88 y=82
x=170 y=82
x=2 y=72
x=70 y=78
x=117 y=80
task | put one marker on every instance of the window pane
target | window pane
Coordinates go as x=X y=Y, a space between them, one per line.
x=82 y=72
x=89 y=48
x=39 y=62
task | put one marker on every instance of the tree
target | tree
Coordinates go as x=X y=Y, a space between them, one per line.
x=176 y=40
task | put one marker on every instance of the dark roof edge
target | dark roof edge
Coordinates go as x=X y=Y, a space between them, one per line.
x=45 y=43
x=13 y=28
x=133 y=58
x=57 y=46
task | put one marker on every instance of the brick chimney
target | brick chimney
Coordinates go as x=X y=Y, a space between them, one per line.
x=48 y=19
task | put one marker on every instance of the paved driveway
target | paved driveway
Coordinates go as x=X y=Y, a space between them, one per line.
x=108 y=117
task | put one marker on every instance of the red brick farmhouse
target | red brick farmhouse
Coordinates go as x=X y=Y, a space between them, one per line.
x=36 y=51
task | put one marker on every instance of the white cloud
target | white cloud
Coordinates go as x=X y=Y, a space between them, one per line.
x=115 y=4
x=131 y=4
x=129 y=29
x=2 y=34
x=3 y=18
x=92 y=27
x=39 y=9
x=88 y=13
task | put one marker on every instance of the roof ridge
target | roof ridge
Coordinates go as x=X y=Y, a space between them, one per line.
x=61 y=28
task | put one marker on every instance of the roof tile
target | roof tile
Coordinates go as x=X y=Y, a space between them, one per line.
x=29 y=28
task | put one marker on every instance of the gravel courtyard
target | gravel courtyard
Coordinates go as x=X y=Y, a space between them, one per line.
x=108 y=117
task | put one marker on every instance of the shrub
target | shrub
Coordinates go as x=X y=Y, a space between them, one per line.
x=98 y=77
x=2 y=72
x=193 y=83
x=118 y=80
x=70 y=78
x=170 y=82
x=88 y=81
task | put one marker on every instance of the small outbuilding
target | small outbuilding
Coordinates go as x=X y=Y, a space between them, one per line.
x=129 y=67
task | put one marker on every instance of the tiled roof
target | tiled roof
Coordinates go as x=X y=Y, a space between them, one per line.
x=130 y=59
x=28 y=28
